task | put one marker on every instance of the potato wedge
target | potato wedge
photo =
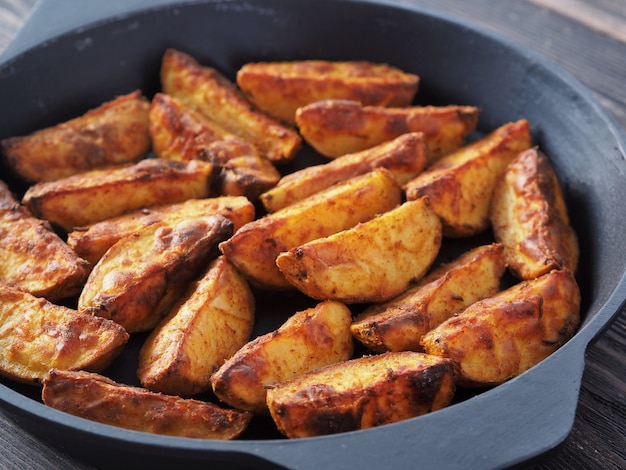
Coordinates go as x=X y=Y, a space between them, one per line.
x=338 y=127
x=92 y=241
x=498 y=338
x=404 y=156
x=529 y=217
x=212 y=320
x=98 y=398
x=138 y=280
x=37 y=335
x=399 y=324
x=96 y=195
x=213 y=95
x=33 y=257
x=362 y=393
x=371 y=262
x=308 y=340
x=255 y=246
x=180 y=133
x=460 y=185
x=114 y=133
x=280 y=88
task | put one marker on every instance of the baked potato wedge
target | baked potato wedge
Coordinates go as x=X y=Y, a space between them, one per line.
x=529 y=217
x=96 y=195
x=212 y=94
x=280 y=88
x=98 y=398
x=399 y=324
x=92 y=241
x=498 y=338
x=181 y=133
x=309 y=339
x=338 y=127
x=255 y=246
x=37 y=335
x=371 y=262
x=460 y=185
x=33 y=257
x=114 y=133
x=404 y=156
x=212 y=320
x=140 y=277
x=362 y=393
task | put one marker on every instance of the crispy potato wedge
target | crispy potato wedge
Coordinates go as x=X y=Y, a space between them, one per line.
x=37 y=335
x=92 y=241
x=181 y=133
x=280 y=88
x=116 y=132
x=338 y=127
x=404 y=156
x=140 y=277
x=460 y=185
x=308 y=340
x=255 y=246
x=206 y=326
x=98 y=398
x=213 y=95
x=96 y=195
x=498 y=338
x=529 y=217
x=33 y=257
x=362 y=393
x=399 y=324
x=371 y=262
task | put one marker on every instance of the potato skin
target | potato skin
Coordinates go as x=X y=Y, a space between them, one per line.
x=371 y=262
x=212 y=320
x=400 y=323
x=114 y=133
x=309 y=339
x=529 y=217
x=338 y=127
x=97 y=398
x=498 y=338
x=362 y=393
x=460 y=185
x=280 y=88
x=37 y=335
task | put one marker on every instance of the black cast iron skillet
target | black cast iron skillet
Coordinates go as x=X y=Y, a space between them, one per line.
x=458 y=63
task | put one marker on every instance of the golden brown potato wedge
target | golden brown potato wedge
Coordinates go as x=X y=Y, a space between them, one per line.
x=498 y=338
x=212 y=320
x=33 y=257
x=308 y=340
x=404 y=156
x=180 y=133
x=280 y=88
x=36 y=336
x=371 y=262
x=529 y=217
x=213 y=95
x=140 y=277
x=98 y=398
x=338 y=127
x=255 y=246
x=114 y=133
x=460 y=185
x=92 y=241
x=96 y=195
x=362 y=393
x=399 y=324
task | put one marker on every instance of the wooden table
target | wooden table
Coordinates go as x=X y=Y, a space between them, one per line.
x=585 y=37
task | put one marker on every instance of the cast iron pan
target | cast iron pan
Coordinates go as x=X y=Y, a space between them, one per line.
x=458 y=63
